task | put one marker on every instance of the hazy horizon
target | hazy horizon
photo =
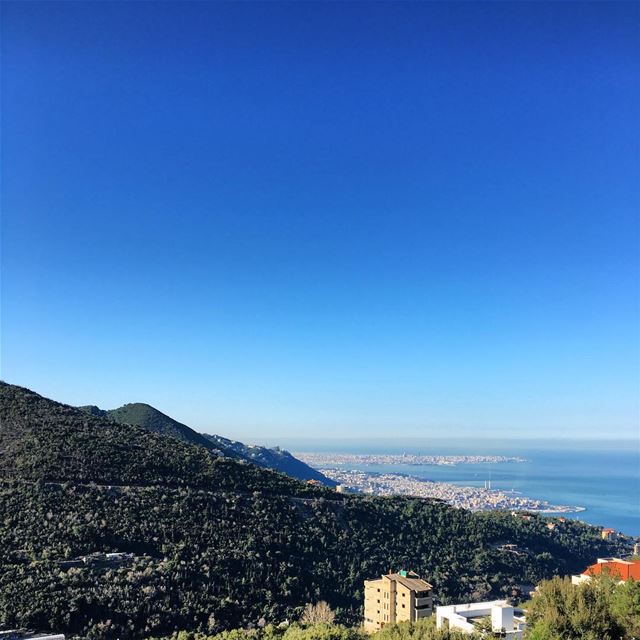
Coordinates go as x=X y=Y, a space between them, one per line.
x=431 y=433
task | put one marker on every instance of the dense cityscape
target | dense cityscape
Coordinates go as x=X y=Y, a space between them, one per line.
x=472 y=498
x=331 y=459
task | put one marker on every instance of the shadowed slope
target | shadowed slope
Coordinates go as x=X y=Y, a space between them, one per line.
x=43 y=440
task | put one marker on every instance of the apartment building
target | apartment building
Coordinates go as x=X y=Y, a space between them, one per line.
x=396 y=597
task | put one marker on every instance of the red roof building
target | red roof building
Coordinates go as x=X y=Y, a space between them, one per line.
x=615 y=567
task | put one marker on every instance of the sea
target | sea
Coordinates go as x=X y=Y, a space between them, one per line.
x=601 y=476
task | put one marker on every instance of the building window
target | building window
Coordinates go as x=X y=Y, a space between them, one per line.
x=403 y=606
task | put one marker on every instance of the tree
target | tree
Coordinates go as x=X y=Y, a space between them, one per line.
x=423 y=629
x=540 y=631
x=320 y=612
x=575 y=612
x=625 y=606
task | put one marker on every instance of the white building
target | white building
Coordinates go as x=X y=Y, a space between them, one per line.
x=469 y=617
x=21 y=634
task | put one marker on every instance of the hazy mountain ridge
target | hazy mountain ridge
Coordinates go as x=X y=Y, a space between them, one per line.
x=148 y=417
x=272 y=458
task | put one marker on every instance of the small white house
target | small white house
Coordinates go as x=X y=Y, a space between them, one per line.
x=504 y=618
x=20 y=634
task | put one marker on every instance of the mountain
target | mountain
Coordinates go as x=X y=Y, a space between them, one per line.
x=45 y=441
x=214 y=543
x=275 y=458
x=144 y=415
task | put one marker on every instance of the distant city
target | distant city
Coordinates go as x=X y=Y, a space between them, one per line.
x=328 y=459
x=386 y=484
x=472 y=498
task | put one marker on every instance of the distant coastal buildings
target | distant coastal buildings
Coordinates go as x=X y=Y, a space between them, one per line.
x=321 y=459
x=472 y=498
x=333 y=466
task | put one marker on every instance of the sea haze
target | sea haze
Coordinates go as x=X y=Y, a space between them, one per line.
x=601 y=476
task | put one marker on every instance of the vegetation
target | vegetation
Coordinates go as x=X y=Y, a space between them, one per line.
x=146 y=416
x=422 y=630
x=275 y=458
x=598 y=609
x=221 y=543
x=45 y=441
x=317 y=613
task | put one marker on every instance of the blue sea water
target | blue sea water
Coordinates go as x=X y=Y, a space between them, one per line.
x=601 y=476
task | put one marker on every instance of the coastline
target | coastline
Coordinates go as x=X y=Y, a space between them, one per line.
x=459 y=496
x=602 y=479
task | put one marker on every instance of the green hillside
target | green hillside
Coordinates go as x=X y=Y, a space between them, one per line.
x=272 y=458
x=45 y=441
x=144 y=415
x=218 y=543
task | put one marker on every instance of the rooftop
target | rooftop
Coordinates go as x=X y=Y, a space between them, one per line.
x=624 y=569
x=410 y=580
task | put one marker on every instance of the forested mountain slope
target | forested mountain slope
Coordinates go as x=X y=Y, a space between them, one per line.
x=220 y=543
x=144 y=415
x=275 y=458
x=43 y=440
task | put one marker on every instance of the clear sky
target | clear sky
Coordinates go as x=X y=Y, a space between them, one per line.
x=354 y=219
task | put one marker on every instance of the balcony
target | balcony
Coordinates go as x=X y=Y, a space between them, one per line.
x=423 y=602
x=422 y=613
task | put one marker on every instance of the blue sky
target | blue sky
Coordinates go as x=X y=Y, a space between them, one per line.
x=351 y=220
